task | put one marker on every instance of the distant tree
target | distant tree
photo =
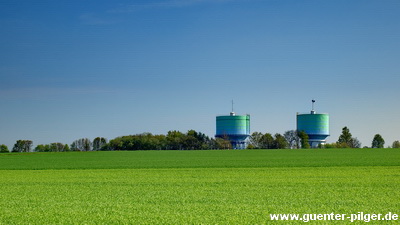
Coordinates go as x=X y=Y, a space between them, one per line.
x=175 y=140
x=396 y=144
x=162 y=143
x=205 y=140
x=378 y=141
x=355 y=143
x=22 y=146
x=17 y=146
x=98 y=143
x=328 y=145
x=143 y=141
x=267 y=141
x=345 y=139
x=57 y=147
x=292 y=138
x=41 y=148
x=83 y=144
x=66 y=148
x=120 y=143
x=196 y=140
x=4 y=149
x=52 y=147
x=157 y=142
x=250 y=146
x=223 y=143
x=213 y=144
x=255 y=140
x=74 y=146
x=303 y=140
x=107 y=147
x=87 y=145
x=280 y=142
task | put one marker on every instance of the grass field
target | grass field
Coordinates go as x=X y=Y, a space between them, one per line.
x=196 y=187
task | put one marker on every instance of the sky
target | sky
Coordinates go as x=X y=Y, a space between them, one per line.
x=83 y=69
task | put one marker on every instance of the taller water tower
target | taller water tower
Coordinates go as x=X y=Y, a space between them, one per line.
x=236 y=128
x=315 y=125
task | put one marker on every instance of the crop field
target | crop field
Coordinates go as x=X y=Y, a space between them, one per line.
x=197 y=187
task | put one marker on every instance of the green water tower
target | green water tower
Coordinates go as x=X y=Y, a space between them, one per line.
x=315 y=125
x=235 y=128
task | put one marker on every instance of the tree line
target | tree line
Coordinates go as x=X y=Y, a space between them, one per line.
x=346 y=140
x=193 y=140
x=173 y=140
x=290 y=139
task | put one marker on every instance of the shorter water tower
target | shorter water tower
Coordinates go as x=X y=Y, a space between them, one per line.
x=315 y=125
x=235 y=128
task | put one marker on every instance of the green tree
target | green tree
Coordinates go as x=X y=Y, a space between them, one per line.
x=57 y=147
x=160 y=142
x=83 y=144
x=267 y=141
x=255 y=140
x=4 y=149
x=175 y=140
x=378 y=141
x=52 y=147
x=303 y=140
x=22 y=146
x=41 y=148
x=292 y=138
x=280 y=142
x=191 y=140
x=396 y=144
x=345 y=139
x=355 y=143
x=329 y=145
x=66 y=148
x=98 y=143
x=222 y=143
x=250 y=146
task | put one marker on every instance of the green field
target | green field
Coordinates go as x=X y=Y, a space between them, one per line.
x=196 y=187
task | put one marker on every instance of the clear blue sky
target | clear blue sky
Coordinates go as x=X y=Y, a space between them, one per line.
x=73 y=69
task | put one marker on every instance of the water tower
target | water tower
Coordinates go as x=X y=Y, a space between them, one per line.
x=235 y=128
x=316 y=125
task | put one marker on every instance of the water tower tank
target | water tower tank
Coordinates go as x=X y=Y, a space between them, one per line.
x=315 y=125
x=236 y=128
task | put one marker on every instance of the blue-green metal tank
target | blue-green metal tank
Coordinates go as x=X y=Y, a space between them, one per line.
x=315 y=125
x=234 y=127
